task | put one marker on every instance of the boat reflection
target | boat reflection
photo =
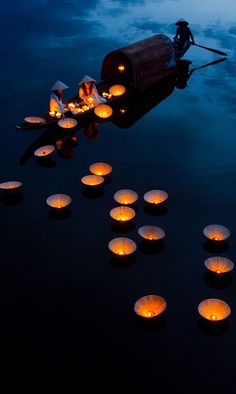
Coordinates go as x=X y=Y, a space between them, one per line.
x=126 y=112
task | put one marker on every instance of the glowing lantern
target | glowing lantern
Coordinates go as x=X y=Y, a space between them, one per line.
x=122 y=110
x=117 y=90
x=215 y=232
x=34 y=120
x=155 y=196
x=44 y=151
x=67 y=123
x=100 y=168
x=219 y=265
x=58 y=201
x=122 y=214
x=92 y=180
x=10 y=185
x=214 y=309
x=122 y=246
x=103 y=110
x=125 y=196
x=151 y=233
x=121 y=68
x=150 y=306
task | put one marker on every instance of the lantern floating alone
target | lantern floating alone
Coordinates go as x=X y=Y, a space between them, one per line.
x=100 y=168
x=150 y=306
x=10 y=185
x=67 y=123
x=219 y=265
x=122 y=213
x=103 y=110
x=44 y=150
x=122 y=246
x=214 y=309
x=155 y=197
x=34 y=120
x=125 y=196
x=117 y=90
x=216 y=232
x=58 y=201
x=151 y=233
x=92 y=180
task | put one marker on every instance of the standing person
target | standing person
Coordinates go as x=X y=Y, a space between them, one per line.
x=55 y=104
x=183 y=34
x=88 y=91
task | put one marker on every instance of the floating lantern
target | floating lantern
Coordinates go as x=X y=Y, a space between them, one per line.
x=219 y=265
x=44 y=150
x=10 y=185
x=92 y=180
x=67 y=123
x=58 y=201
x=150 y=306
x=121 y=68
x=125 y=196
x=117 y=90
x=34 y=120
x=214 y=309
x=122 y=246
x=151 y=233
x=100 y=168
x=103 y=110
x=122 y=214
x=215 y=232
x=155 y=196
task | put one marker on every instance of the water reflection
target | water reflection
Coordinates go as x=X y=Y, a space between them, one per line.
x=213 y=328
x=60 y=214
x=218 y=281
x=93 y=192
x=12 y=198
x=215 y=246
x=151 y=247
x=156 y=210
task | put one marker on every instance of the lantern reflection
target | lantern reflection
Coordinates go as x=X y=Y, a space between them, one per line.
x=125 y=196
x=214 y=309
x=219 y=265
x=150 y=306
x=122 y=246
x=58 y=201
x=122 y=214
x=216 y=232
x=155 y=196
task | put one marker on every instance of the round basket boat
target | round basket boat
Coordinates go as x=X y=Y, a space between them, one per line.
x=58 y=201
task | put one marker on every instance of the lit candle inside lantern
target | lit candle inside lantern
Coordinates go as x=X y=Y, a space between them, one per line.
x=122 y=246
x=150 y=306
x=216 y=232
x=122 y=213
x=121 y=68
x=219 y=265
x=214 y=309
x=58 y=201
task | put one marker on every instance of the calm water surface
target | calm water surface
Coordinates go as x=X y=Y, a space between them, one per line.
x=67 y=314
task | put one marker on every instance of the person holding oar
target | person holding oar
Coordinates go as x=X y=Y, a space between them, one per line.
x=183 y=34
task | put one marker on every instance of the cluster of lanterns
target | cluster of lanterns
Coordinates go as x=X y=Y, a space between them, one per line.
x=55 y=114
x=152 y=305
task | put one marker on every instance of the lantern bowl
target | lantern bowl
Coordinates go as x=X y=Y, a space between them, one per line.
x=219 y=265
x=100 y=168
x=117 y=90
x=216 y=232
x=103 y=111
x=58 y=201
x=125 y=196
x=155 y=197
x=151 y=233
x=213 y=309
x=67 y=123
x=10 y=185
x=44 y=150
x=122 y=246
x=92 y=180
x=35 y=120
x=122 y=214
x=150 y=306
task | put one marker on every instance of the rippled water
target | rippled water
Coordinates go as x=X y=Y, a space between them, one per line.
x=67 y=314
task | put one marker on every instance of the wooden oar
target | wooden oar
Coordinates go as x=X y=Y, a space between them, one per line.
x=210 y=49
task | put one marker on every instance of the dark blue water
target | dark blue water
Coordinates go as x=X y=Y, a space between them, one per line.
x=67 y=316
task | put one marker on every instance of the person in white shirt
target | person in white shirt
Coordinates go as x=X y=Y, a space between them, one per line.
x=88 y=91
x=55 y=103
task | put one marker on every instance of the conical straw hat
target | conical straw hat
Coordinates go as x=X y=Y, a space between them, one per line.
x=86 y=78
x=59 y=85
x=181 y=21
